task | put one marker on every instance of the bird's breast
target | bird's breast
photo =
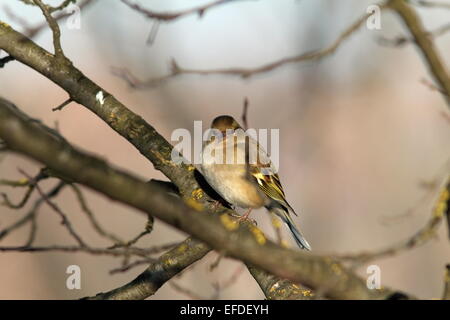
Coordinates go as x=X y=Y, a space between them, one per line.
x=231 y=182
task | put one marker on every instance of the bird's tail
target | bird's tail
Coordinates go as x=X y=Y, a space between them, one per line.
x=298 y=236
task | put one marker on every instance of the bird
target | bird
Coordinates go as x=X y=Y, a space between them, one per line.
x=235 y=165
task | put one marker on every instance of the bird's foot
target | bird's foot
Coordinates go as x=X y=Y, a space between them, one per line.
x=215 y=204
x=245 y=217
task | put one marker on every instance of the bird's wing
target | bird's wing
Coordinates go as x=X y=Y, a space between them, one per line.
x=260 y=167
x=271 y=186
x=266 y=177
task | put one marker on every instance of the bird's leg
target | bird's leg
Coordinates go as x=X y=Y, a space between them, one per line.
x=245 y=215
x=215 y=205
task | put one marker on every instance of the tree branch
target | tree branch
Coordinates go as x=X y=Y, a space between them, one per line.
x=446 y=295
x=425 y=44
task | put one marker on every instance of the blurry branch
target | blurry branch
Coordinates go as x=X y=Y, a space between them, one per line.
x=181 y=257
x=30 y=183
x=33 y=31
x=402 y=41
x=221 y=232
x=419 y=238
x=131 y=126
x=170 y=16
x=90 y=215
x=176 y=70
x=431 y=4
x=217 y=287
x=5 y=60
x=30 y=217
x=447 y=212
x=425 y=44
x=159 y=272
x=308 y=269
x=433 y=87
x=54 y=27
x=88 y=249
x=438 y=70
x=62 y=105
x=128 y=124
x=158 y=150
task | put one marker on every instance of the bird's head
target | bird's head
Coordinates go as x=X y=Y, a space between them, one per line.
x=223 y=123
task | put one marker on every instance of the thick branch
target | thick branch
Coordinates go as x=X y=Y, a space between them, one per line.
x=425 y=44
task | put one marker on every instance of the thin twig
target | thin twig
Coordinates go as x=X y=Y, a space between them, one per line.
x=5 y=60
x=53 y=24
x=62 y=105
x=33 y=31
x=148 y=229
x=244 y=113
x=446 y=295
x=187 y=292
x=403 y=40
x=31 y=215
x=64 y=220
x=30 y=183
x=92 y=219
x=431 y=4
x=170 y=16
x=424 y=43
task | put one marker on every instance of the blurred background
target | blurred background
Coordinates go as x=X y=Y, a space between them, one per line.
x=360 y=135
